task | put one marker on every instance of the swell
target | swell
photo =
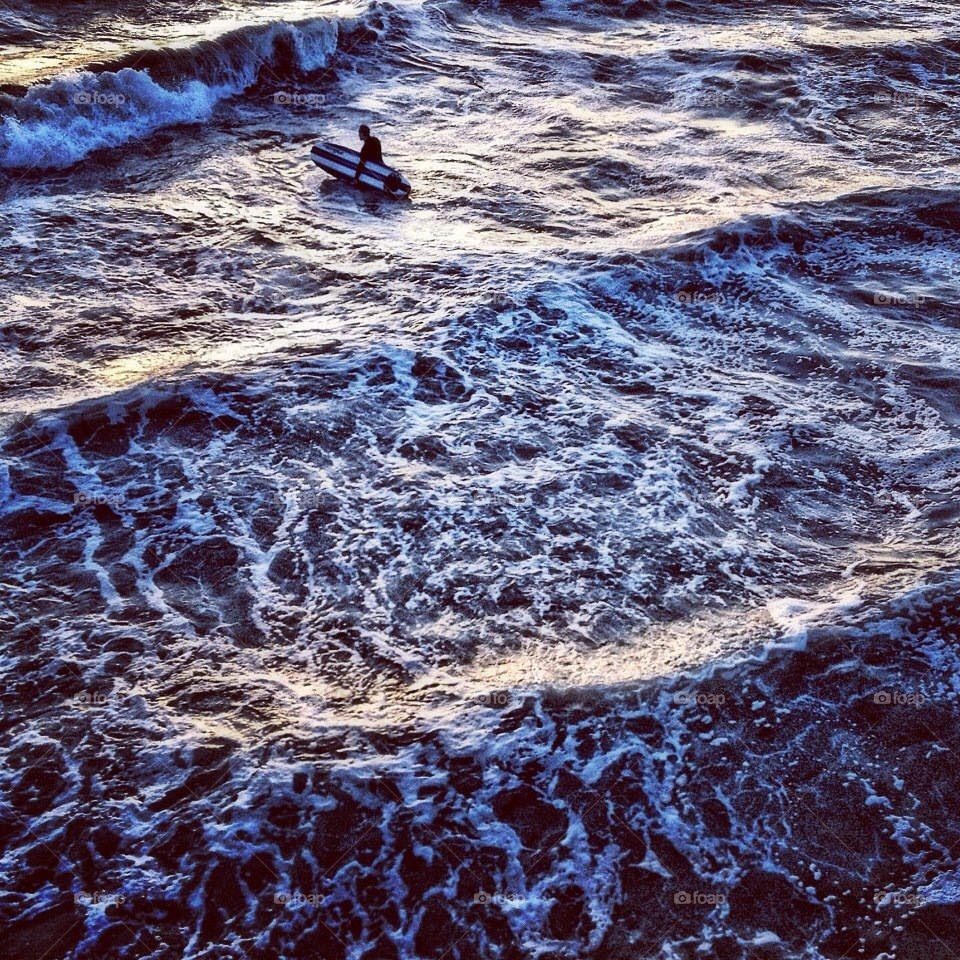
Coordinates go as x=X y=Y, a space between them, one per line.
x=894 y=219
x=60 y=122
x=660 y=9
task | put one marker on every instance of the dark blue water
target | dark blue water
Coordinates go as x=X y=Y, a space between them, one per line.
x=560 y=564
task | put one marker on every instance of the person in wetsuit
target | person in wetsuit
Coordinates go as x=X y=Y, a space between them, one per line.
x=370 y=151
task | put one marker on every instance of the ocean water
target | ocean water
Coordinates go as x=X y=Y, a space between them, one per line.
x=560 y=564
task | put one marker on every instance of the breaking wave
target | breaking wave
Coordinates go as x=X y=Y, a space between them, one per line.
x=58 y=123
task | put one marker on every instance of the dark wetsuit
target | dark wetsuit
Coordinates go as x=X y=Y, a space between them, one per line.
x=369 y=152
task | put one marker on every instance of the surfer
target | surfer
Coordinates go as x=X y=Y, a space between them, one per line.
x=370 y=151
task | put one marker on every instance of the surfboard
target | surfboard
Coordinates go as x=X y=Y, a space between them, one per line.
x=341 y=162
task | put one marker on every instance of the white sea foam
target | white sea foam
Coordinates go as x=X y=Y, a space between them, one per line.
x=58 y=123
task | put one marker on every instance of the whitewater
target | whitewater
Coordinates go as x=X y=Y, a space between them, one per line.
x=562 y=563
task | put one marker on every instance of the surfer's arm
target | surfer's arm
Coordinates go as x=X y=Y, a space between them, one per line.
x=364 y=157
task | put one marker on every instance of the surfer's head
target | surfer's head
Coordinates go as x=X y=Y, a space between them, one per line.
x=364 y=131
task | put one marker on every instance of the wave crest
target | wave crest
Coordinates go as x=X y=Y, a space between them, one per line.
x=58 y=123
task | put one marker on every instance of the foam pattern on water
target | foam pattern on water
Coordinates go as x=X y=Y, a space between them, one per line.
x=561 y=564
